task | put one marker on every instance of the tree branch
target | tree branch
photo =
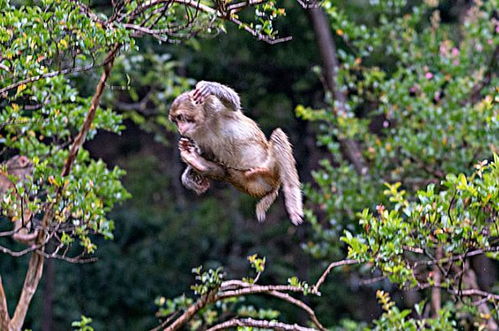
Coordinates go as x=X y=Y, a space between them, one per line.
x=255 y=289
x=263 y=324
x=94 y=104
x=300 y=304
x=33 y=276
x=35 y=267
x=47 y=75
x=326 y=272
x=192 y=310
x=459 y=257
x=4 y=310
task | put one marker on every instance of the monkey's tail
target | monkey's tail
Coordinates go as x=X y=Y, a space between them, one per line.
x=289 y=176
x=264 y=204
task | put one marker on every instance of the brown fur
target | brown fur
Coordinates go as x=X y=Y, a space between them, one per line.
x=227 y=145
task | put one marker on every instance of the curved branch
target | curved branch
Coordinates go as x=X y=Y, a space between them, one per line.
x=256 y=289
x=192 y=310
x=328 y=270
x=300 y=304
x=263 y=324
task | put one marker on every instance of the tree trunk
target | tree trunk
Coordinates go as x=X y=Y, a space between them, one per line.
x=48 y=302
x=471 y=282
x=436 y=295
x=36 y=262
x=4 y=311
x=327 y=48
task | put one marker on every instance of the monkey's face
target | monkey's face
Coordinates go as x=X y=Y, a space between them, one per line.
x=186 y=115
x=19 y=166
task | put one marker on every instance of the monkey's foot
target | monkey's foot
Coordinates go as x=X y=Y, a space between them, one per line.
x=256 y=172
x=200 y=183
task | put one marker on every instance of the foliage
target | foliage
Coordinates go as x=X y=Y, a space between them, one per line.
x=221 y=301
x=83 y=325
x=461 y=220
x=420 y=102
x=395 y=319
x=147 y=83
x=39 y=119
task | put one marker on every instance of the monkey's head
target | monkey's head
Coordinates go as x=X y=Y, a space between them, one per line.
x=19 y=166
x=186 y=115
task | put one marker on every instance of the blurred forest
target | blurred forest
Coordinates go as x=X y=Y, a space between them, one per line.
x=392 y=108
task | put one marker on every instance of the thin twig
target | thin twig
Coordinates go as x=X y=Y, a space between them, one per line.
x=49 y=75
x=331 y=266
x=76 y=260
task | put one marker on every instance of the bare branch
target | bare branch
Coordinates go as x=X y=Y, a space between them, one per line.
x=88 y=12
x=153 y=3
x=475 y=292
x=225 y=14
x=257 y=34
x=307 y=4
x=76 y=260
x=33 y=276
x=416 y=250
x=4 y=309
x=370 y=281
x=258 y=324
x=49 y=75
x=143 y=30
x=255 y=289
x=300 y=304
x=328 y=270
x=192 y=310
x=459 y=257
x=80 y=138
x=235 y=7
x=25 y=251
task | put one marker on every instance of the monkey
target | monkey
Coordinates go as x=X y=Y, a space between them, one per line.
x=220 y=143
x=19 y=167
x=190 y=178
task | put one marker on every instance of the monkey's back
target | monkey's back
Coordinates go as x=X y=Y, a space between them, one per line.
x=236 y=142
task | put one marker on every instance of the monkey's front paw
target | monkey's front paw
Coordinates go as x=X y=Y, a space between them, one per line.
x=185 y=144
x=187 y=156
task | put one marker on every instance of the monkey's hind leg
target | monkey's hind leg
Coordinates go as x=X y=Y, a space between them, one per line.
x=289 y=175
x=264 y=204
x=194 y=181
x=190 y=155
